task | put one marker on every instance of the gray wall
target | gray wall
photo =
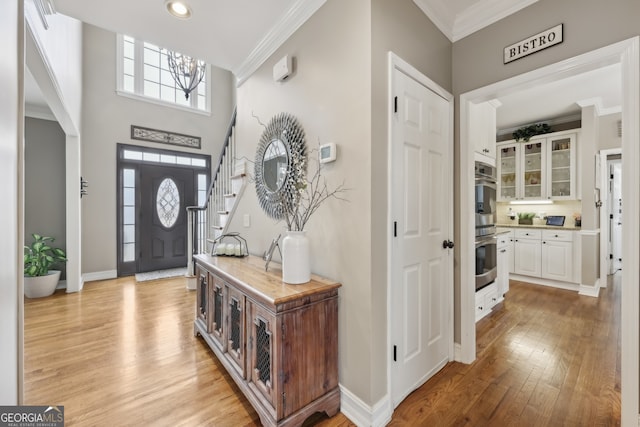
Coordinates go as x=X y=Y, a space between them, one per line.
x=45 y=203
x=588 y=25
x=400 y=27
x=106 y=121
x=339 y=93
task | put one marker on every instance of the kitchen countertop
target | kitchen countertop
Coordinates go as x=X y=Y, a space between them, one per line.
x=542 y=226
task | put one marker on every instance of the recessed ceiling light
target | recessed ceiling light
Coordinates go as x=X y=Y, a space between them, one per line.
x=178 y=9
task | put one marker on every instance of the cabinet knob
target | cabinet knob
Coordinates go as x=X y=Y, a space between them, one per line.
x=544 y=243
x=503 y=251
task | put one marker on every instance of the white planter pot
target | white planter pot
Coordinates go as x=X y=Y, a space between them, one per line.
x=295 y=258
x=41 y=286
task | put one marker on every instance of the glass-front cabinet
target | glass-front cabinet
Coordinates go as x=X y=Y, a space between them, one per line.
x=541 y=168
x=508 y=168
x=561 y=176
x=532 y=166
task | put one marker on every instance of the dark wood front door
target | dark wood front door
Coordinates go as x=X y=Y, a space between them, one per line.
x=165 y=194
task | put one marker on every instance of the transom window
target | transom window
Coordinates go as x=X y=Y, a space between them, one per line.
x=143 y=72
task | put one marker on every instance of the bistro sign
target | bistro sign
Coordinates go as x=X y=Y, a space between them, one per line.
x=533 y=44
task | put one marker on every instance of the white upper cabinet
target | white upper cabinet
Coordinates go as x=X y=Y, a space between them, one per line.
x=482 y=130
x=561 y=174
x=541 y=168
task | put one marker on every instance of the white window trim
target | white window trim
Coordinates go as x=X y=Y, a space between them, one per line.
x=139 y=77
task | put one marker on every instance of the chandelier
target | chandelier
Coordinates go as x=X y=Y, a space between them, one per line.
x=186 y=71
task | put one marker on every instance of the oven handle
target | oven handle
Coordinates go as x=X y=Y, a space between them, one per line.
x=490 y=240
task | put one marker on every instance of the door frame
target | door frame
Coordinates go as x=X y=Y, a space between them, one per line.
x=627 y=53
x=603 y=174
x=125 y=269
x=398 y=65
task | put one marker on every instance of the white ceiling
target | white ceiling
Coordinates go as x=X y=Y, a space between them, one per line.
x=601 y=87
x=236 y=35
x=240 y=35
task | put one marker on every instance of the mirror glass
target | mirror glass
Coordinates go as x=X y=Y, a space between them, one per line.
x=280 y=164
x=274 y=165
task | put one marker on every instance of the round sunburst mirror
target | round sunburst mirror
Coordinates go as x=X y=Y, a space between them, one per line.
x=280 y=164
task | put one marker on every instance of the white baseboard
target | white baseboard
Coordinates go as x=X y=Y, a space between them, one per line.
x=362 y=414
x=590 y=291
x=100 y=275
x=546 y=282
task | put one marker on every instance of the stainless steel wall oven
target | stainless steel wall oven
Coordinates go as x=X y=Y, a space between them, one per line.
x=485 y=214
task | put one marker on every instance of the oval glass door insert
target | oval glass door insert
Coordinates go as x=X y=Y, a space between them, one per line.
x=168 y=202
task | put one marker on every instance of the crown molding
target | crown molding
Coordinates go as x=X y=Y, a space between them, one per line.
x=297 y=15
x=456 y=26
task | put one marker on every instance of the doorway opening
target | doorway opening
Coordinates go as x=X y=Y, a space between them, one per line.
x=154 y=189
x=626 y=54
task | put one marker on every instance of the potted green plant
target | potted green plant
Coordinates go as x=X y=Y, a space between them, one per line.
x=526 y=132
x=526 y=218
x=39 y=279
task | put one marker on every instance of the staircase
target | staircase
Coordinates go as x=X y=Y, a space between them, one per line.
x=211 y=220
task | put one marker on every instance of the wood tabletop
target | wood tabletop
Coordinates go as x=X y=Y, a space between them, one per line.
x=249 y=274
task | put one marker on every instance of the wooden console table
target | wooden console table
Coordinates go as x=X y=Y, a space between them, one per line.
x=278 y=342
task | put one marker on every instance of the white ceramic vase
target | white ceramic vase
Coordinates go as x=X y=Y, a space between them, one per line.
x=295 y=258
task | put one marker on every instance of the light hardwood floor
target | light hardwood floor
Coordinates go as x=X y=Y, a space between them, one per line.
x=121 y=353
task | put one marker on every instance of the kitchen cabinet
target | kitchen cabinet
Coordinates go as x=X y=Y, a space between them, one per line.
x=278 y=342
x=561 y=173
x=542 y=168
x=482 y=126
x=544 y=253
x=527 y=252
x=557 y=255
x=502 y=279
x=486 y=299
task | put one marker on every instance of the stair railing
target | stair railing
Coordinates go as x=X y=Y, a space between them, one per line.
x=199 y=218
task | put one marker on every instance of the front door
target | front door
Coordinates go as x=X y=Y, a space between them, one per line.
x=421 y=285
x=165 y=194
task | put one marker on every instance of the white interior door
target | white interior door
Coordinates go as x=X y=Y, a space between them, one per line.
x=422 y=211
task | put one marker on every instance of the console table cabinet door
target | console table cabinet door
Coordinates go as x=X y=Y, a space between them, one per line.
x=202 y=308
x=217 y=296
x=236 y=329
x=261 y=367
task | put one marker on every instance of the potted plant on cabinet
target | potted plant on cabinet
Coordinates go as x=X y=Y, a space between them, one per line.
x=39 y=280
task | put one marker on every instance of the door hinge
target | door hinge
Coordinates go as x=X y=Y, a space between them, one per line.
x=395 y=228
x=610 y=256
x=610 y=216
x=395 y=104
x=284 y=401
x=395 y=353
x=250 y=342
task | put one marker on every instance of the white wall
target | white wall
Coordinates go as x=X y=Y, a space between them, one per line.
x=60 y=47
x=106 y=121
x=11 y=121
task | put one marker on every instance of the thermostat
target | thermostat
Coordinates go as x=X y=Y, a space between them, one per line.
x=327 y=152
